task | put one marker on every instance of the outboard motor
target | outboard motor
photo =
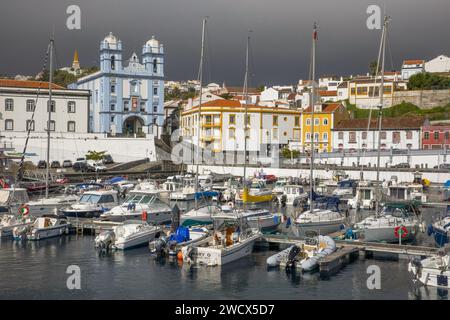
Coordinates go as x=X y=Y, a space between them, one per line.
x=105 y=239
x=19 y=233
x=172 y=246
x=175 y=218
x=158 y=246
x=290 y=264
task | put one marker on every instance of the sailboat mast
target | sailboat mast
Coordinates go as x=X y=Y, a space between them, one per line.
x=313 y=77
x=199 y=113
x=244 y=96
x=380 y=112
x=47 y=171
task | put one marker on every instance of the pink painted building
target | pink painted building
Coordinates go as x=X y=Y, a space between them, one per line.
x=435 y=136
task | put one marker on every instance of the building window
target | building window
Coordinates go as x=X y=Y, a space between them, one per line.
x=340 y=135
x=112 y=107
x=30 y=105
x=9 y=124
x=9 y=105
x=113 y=62
x=142 y=106
x=308 y=121
x=364 y=135
x=316 y=137
x=155 y=91
x=52 y=125
x=325 y=122
x=112 y=118
x=325 y=136
x=232 y=133
x=383 y=135
x=436 y=135
x=71 y=107
x=308 y=136
x=30 y=125
x=126 y=105
x=297 y=121
x=396 y=137
x=155 y=108
x=352 y=137
x=275 y=134
x=155 y=66
x=133 y=87
x=409 y=146
x=113 y=88
x=53 y=106
x=71 y=126
x=426 y=135
x=275 y=121
x=316 y=121
x=232 y=119
x=409 y=135
x=154 y=120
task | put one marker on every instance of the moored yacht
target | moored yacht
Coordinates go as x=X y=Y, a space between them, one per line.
x=92 y=204
x=42 y=228
x=137 y=204
x=433 y=271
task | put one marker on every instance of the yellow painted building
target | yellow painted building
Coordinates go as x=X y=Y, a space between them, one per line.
x=326 y=115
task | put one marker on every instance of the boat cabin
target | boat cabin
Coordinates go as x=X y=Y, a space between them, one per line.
x=99 y=197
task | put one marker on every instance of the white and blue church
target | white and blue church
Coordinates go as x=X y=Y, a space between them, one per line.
x=127 y=97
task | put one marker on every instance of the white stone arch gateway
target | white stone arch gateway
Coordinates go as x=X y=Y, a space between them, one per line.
x=133 y=125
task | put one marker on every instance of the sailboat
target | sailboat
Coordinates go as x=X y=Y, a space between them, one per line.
x=316 y=220
x=396 y=222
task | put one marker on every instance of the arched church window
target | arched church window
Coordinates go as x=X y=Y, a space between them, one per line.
x=155 y=65
x=113 y=62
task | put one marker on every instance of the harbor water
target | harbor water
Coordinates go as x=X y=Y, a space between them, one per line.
x=37 y=270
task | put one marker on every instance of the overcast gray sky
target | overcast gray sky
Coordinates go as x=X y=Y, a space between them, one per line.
x=280 y=39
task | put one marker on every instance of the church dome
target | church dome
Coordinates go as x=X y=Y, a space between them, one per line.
x=111 y=39
x=152 y=42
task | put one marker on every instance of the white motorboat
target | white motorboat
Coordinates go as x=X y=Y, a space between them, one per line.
x=130 y=234
x=9 y=221
x=182 y=237
x=364 y=198
x=345 y=189
x=319 y=221
x=433 y=271
x=293 y=194
x=139 y=203
x=398 y=221
x=278 y=188
x=42 y=228
x=44 y=206
x=261 y=219
x=12 y=198
x=200 y=216
x=440 y=229
x=232 y=239
x=405 y=192
x=92 y=204
x=303 y=255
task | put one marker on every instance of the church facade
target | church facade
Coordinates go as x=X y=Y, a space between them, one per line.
x=127 y=96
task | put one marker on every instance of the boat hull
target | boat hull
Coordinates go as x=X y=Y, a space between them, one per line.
x=386 y=234
x=430 y=276
x=134 y=241
x=324 y=228
x=40 y=234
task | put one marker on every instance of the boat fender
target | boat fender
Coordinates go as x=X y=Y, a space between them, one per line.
x=180 y=256
x=144 y=215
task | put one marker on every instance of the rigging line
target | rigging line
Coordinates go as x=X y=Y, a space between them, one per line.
x=389 y=49
x=31 y=125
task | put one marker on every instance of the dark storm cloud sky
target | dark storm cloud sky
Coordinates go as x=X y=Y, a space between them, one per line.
x=280 y=39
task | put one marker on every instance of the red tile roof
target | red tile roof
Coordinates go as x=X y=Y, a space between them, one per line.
x=387 y=123
x=330 y=93
x=413 y=62
x=27 y=84
x=326 y=108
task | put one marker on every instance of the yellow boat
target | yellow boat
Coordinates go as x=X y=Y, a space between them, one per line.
x=255 y=198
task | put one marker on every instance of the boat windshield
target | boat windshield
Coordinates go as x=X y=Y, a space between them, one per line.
x=139 y=198
x=90 y=198
x=395 y=212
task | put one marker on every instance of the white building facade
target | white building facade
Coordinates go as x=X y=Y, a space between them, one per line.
x=439 y=64
x=24 y=105
x=396 y=133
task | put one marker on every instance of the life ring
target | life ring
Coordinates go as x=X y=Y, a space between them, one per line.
x=24 y=210
x=404 y=231
x=231 y=204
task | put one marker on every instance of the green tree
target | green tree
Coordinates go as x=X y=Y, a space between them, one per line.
x=373 y=68
x=95 y=155
x=427 y=81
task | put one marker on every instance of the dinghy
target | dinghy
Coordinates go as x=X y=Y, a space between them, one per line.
x=305 y=255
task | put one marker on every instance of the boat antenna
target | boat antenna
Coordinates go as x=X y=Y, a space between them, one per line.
x=380 y=110
x=245 y=98
x=199 y=113
x=312 y=144
x=49 y=106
